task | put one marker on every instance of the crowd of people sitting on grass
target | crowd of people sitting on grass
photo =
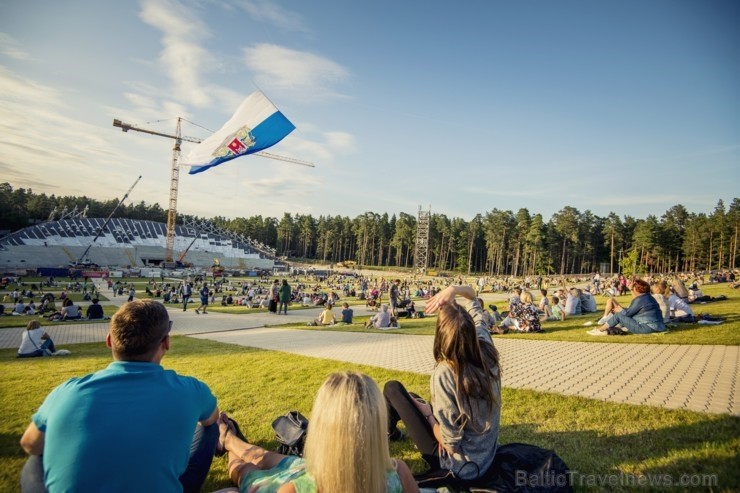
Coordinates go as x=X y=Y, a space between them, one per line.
x=47 y=308
x=456 y=429
x=346 y=445
x=669 y=303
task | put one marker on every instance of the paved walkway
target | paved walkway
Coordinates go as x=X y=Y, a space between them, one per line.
x=698 y=378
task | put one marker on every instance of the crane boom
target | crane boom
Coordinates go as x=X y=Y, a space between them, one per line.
x=102 y=228
x=175 y=173
x=125 y=127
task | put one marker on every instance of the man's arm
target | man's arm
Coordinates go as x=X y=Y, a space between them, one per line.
x=32 y=440
x=211 y=419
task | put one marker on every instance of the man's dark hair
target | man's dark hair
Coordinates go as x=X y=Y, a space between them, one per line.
x=137 y=329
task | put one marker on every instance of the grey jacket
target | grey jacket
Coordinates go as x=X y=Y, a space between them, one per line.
x=473 y=443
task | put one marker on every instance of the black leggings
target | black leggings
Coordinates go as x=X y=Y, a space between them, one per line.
x=402 y=408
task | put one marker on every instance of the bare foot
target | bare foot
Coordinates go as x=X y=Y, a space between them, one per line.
x=225 y=427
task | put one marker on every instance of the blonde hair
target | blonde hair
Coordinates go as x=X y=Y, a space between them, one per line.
x=526 y=297
x=33 y=324
x=347 y=445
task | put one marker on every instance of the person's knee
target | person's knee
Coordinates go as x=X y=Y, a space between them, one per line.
x=393 y=388
x=238 y=469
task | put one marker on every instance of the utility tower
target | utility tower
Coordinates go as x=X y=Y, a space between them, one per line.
x=422 y=241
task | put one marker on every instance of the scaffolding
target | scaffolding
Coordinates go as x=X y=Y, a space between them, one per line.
x=422 y=241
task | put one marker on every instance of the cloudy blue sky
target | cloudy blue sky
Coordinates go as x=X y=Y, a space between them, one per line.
x=628 y=106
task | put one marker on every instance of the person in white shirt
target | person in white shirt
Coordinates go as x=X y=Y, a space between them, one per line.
x=35 y=342
x=680 y=309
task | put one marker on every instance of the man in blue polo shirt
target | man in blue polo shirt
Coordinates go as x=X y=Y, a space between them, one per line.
x=128 y=427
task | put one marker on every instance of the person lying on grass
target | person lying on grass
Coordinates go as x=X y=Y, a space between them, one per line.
x=346 y=447
x=643 y=316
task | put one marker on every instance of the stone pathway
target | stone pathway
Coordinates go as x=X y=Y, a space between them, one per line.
x=697 y=378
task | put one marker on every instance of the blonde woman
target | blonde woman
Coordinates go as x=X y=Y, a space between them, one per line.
x=527 y=315
x=346 y=447
x=660 y=291
x=458 y=430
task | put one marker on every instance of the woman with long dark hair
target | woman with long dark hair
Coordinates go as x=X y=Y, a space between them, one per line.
x=458 y=430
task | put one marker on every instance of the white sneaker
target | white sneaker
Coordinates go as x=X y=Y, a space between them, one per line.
x=596 y=332
x=587 y=324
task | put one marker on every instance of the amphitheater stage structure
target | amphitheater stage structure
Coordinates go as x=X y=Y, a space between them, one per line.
x=128 y=243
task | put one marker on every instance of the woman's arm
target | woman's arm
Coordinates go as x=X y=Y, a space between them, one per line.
x=408 y=483
x=637 y=305
x=426 y=410
x=447 y=296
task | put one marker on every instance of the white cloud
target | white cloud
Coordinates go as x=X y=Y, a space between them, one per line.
x=45 y=144
x=274 y=14
x=60 y=141
x=26 y=90
x=10 y=47
x=183 y=57
x=293 y=71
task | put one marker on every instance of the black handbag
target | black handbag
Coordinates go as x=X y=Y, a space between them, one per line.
x=290 y=432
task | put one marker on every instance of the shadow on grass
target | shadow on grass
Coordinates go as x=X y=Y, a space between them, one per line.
x=684 y=449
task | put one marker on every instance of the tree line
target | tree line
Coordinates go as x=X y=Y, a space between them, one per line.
x=497 y=242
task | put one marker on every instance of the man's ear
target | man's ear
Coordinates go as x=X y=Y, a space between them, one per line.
x=107 y=340
x=166 y=342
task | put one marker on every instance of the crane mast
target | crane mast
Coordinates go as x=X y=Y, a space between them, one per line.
x=174 y=186
x=175 y=173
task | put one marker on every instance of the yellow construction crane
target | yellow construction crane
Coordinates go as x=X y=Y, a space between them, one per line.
x=175 y=173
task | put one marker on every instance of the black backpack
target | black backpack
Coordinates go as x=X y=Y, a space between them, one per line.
x=517 y=467
x=290 y=432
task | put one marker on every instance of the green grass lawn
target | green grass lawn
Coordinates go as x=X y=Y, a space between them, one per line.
x=255 y=386
x=573 y=329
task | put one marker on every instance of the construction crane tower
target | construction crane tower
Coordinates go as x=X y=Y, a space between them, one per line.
x=175 y=174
